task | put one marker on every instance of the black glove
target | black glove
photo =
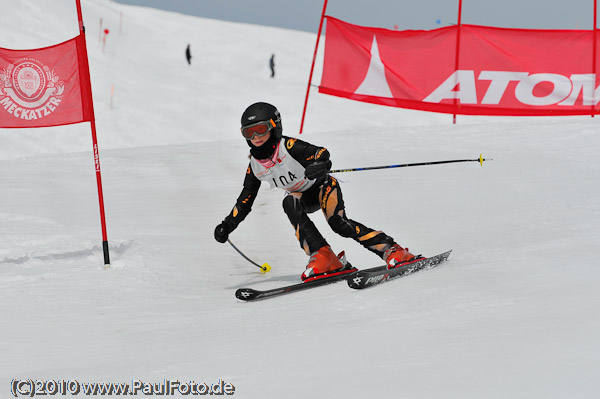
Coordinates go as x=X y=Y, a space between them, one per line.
x=222 y=232
x=317 y=169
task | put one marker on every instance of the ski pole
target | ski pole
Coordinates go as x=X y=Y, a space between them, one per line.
x=481 y=159
x=263 y=269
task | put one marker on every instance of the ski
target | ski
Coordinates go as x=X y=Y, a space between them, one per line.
x=250 y=294
x=369 y=277
x=357 y=279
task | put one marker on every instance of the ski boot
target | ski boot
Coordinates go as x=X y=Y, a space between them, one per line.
x=322 y=262
x=396 y=256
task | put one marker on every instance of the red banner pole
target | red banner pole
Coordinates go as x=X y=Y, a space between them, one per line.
x=313 y=65
x=458 y=25
x=88 y=106
x=594 y=57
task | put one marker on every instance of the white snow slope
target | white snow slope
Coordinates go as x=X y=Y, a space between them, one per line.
x=512 y=314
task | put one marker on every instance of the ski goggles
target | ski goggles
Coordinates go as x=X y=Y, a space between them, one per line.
x=257 y=129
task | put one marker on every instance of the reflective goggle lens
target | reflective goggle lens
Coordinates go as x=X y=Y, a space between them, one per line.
x=257 y=129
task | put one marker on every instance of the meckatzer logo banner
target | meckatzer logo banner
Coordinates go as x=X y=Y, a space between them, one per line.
x=42 y=87
x=500 y=71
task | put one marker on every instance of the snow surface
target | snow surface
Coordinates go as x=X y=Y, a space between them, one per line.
x=512 y=314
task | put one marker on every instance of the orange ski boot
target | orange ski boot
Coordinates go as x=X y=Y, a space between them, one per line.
x=396 y=255
x=322 y=261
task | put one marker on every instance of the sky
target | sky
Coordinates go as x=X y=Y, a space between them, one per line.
x=405 y=14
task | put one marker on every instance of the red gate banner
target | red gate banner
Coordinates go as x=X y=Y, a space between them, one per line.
x=45 y=87
x=500 y=71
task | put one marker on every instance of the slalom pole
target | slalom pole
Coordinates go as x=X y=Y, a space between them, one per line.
x=594 y=54
x=265 y=268
x=312 y=66
x=481 y=159
x=84 y=74
x=458 y=28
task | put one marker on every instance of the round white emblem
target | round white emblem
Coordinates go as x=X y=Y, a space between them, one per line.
x=29 y=90
x=29 y=80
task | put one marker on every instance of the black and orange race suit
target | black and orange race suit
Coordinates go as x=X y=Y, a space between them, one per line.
x=324 y=193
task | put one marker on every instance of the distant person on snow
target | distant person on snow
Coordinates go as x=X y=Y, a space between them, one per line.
x=188 y=55
x=272 y=65
x=301 y=169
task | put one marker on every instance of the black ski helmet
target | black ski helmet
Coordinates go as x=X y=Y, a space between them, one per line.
x=259 y=112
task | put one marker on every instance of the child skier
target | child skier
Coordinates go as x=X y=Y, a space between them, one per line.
x=301 y=169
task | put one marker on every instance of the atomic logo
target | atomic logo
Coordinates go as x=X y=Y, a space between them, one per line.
x=375 y=82
x=29 y=89
x=357 y=280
